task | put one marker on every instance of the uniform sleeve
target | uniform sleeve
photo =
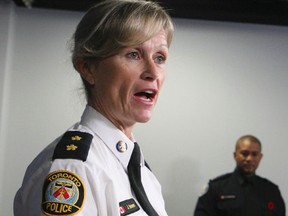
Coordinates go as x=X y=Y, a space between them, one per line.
x=282 y=208
x=72 y=188
x=66 y=185
x=67 y=188
x=206 y=204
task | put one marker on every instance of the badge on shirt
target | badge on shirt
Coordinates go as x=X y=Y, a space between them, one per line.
x=63 y=193
x=128 y=207
x=227 y=197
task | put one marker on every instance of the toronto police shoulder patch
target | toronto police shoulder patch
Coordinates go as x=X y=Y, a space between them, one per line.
x=63 y=193
x=73 y=145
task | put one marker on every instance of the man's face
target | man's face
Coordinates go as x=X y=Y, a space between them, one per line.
x=247 y=156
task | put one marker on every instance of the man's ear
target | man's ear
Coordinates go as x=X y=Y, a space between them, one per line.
x=234 y=155
x=85 y=69
x=261 y=156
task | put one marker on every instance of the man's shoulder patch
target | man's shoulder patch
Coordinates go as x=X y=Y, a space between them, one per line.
x=73 y=145
x=63 y=193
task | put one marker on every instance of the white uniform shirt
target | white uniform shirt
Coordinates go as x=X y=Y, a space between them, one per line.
x=97 y=186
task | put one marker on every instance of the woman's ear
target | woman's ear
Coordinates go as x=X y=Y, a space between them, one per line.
x=85 y=69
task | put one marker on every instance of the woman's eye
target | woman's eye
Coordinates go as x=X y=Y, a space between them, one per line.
x=133 y=55
x=160 y=59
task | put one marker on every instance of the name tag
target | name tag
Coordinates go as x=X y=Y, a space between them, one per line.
x=128 y=207
x=227 y=197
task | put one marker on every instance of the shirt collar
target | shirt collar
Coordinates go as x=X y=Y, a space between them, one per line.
x=243 y=179
x=108 y=133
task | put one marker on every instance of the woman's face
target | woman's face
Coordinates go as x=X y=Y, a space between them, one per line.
x=126 y=85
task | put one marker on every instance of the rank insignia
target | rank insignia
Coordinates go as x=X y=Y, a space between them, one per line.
x=73 y=145
x=63 y=194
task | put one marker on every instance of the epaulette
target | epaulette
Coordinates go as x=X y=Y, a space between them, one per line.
x=222 y=177
x=267 y=181
x=73 y=145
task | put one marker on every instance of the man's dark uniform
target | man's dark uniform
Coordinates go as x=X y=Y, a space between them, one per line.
x=235 y=195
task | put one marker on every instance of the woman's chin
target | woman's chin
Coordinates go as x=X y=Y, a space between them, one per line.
x=144 y=117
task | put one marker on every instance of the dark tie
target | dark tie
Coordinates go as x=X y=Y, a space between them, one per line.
x=134 y=172
x=251 y=205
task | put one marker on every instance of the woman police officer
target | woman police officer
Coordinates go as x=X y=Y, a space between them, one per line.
x=120 y=49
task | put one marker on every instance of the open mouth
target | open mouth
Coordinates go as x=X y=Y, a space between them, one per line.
x=147 y=95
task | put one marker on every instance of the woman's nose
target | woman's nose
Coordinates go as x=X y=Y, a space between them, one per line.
x=151 y=71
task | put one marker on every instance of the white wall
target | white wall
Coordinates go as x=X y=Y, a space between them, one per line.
x=224 y=80
x=5 y=19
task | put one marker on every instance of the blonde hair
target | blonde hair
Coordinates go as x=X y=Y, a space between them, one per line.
x=114 y=24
